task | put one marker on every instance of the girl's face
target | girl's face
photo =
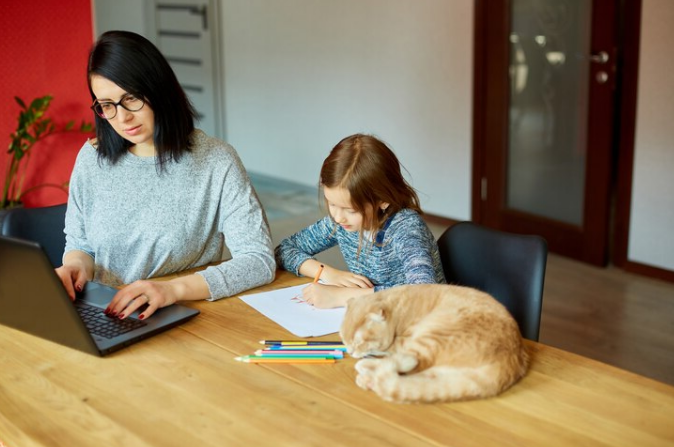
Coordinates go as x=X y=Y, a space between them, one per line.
x=136 y=127
x=341 y=209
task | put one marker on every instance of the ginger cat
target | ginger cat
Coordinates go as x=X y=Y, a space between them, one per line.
x=435 y=343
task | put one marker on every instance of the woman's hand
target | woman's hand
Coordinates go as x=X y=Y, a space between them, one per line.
x=77 y=269
x=155 y=295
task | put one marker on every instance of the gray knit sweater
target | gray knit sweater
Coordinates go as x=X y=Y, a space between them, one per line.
x=138 y=223
x=405 y=251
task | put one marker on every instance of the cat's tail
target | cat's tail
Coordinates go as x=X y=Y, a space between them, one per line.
x=444 y=383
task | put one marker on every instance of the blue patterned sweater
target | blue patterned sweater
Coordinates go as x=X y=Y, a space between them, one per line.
x=405 y=251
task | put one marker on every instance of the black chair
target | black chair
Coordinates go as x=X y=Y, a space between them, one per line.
x=510 y=267
x=43 y=225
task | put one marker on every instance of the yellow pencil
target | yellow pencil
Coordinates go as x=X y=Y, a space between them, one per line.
x=248 y=359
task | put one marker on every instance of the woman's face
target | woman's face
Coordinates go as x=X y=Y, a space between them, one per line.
x=136 y=127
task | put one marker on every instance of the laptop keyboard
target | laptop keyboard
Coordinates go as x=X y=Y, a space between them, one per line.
x=102 y=325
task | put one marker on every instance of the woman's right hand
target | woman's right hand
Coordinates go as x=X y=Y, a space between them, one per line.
x=77 y=269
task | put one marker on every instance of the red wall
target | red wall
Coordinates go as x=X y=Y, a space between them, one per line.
x=43 y=50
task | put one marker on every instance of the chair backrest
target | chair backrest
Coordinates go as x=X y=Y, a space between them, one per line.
x=43 y=225
x=510 y=267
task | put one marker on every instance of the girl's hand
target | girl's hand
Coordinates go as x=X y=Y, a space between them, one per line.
x=341 y=278
x=328 y=297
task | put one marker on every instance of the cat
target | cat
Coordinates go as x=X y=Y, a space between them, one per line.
x=435 y=343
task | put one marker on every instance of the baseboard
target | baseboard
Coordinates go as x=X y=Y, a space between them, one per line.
x=649 y=270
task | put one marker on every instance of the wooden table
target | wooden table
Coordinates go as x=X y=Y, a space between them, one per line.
x=184 y=388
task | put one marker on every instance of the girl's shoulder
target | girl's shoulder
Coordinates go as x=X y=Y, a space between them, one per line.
x=407 y=224
x=406 y=217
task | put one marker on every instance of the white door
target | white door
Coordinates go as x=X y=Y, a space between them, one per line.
x=187 y=34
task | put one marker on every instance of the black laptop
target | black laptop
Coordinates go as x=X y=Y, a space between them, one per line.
x=33 y=300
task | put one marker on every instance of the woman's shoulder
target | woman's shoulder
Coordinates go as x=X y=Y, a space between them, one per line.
x=205 y=144
x=88 y=151
x=213 y=152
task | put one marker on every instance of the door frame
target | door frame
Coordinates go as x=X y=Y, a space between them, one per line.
x=629 y=93
x=492 y=85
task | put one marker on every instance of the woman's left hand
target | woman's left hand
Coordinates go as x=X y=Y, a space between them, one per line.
x=154 y=294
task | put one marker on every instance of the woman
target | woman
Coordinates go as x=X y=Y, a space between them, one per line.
x=153 y=195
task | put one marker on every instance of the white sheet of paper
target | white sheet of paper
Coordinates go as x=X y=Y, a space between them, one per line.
x=285 y=307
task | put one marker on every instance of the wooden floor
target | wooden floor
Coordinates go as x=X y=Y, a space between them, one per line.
x=607 y=314
x=610 y=315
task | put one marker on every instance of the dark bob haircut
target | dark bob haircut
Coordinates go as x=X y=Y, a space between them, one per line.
x=136 y=65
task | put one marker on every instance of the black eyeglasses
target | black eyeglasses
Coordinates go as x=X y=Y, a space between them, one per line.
x=108 y=109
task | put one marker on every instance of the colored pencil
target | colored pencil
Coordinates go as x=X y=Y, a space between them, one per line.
x=309 y=348
x=299 y=342
x=318 y=273
x=254 y=359
x=333 y=353
x=291 y=357
x=302 y=349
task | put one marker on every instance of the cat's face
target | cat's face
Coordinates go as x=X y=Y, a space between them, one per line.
x=365 y=330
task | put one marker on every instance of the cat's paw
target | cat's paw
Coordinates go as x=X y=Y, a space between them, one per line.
x=365 y=369
x=364 y=381
x=405 y=362
x=366 y=366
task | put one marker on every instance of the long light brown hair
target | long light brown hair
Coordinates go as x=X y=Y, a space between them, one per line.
x=370 y=171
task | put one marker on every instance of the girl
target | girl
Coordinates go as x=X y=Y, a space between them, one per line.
x=374 y=217
x=153 y=195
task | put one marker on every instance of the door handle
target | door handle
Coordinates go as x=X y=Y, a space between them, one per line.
x=203 y=12
x=600 y=58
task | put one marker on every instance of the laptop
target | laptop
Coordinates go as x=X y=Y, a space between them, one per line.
x=33 y=300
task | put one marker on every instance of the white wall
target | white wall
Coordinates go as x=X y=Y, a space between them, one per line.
x=302 y=74
x=130 y=15
x=652 y=214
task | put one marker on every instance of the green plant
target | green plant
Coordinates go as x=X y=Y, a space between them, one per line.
x=33 y=126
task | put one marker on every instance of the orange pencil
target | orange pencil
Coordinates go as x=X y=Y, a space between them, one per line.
x=318 y=274
x=250 y=359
